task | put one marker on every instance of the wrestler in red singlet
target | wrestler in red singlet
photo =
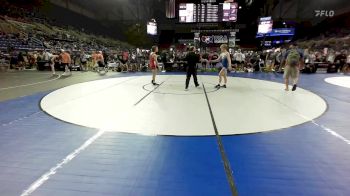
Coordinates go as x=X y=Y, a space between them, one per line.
x=153 y=63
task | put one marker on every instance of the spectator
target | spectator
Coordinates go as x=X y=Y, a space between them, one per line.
x=100 y=59
x=239 y=59
x=270 y=61
x=340 y=60
x=83 y=60
x=347 y=66
x=66 y=61
x=331 y=57
x=20 y=61
x=52 y=62
x=94 y=59
x=293 y=61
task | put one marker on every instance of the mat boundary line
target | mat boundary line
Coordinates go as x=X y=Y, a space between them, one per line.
x=227 y=165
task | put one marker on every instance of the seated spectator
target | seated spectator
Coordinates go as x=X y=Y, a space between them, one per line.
x=20 y=61
x=270 y=61
x=100 y=59
x=83 y=60
x=133 y=67
x=340 y=60
x=4 y=63
x=32 y=59
x=123 y=58
x=94 y=64
x=331 y=57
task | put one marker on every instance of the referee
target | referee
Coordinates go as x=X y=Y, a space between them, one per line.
x=192 y=59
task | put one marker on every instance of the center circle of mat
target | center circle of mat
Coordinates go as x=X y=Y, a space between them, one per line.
x=178 y=88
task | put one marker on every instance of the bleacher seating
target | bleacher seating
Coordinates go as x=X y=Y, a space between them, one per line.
x=43 y=35
x=17 y=44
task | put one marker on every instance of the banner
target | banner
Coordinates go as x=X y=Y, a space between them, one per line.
x=214 y=39
x=278 y=32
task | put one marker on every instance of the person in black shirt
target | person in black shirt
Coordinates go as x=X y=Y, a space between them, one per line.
x=20 y=61
x=192 y=59
x=340 y=60
x=105 y=57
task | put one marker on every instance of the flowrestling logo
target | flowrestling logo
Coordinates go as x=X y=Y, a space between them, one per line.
x=324 y=13
x=220 y=39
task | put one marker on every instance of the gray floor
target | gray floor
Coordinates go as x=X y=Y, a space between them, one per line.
x=15 y=84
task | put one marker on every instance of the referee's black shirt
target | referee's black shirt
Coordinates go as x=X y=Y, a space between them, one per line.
x=192 y=59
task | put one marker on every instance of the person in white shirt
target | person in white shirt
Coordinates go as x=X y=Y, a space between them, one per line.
x=239 y=59
x=47 y=56
x=239 y=56
x=53 y=58
x=331 y=57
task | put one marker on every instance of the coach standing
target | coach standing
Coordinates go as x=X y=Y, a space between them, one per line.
x=293 y=61
x=192 y=59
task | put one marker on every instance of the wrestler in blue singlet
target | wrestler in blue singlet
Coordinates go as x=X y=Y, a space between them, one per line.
x=224 y=61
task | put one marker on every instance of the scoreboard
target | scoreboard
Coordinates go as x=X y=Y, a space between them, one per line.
x=207 y=12
x=265 y=25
